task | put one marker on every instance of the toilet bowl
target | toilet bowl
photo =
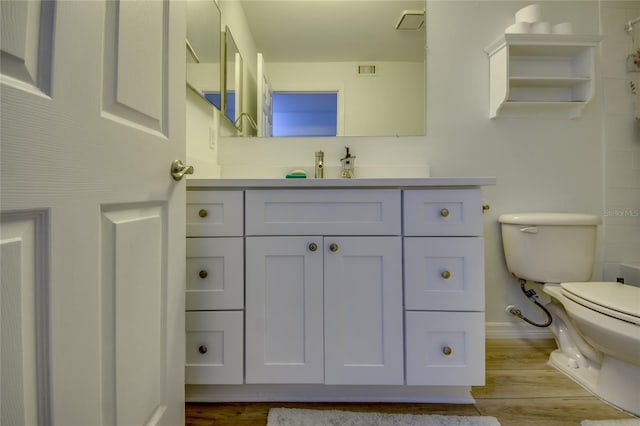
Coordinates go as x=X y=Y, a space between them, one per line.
x=596 y=324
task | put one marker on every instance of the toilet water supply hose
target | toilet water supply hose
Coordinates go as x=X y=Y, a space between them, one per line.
x=533 y=296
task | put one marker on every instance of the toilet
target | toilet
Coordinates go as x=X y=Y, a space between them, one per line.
x=596 y=324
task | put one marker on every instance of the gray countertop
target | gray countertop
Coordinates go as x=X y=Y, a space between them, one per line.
x=430 y=182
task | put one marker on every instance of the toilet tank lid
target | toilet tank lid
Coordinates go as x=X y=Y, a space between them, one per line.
x=564 y=219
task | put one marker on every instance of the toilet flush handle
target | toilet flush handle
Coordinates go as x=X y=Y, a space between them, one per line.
x=529 y=230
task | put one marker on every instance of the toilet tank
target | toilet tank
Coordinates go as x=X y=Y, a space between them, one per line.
x=550 y=247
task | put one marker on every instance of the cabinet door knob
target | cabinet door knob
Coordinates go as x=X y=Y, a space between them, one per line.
x=333 y=247
x=445 y=275
x=203 y=274
x=313 y=247
x=203 y=349
x=444 y=212
x=447 y=350
x=202 y=213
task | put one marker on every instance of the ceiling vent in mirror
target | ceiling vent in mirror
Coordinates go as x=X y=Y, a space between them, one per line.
x=411 y=20
x=366 y=70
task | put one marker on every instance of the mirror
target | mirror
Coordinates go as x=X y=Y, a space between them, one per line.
x=204 y=50
x=349 y=47
x=233 y=79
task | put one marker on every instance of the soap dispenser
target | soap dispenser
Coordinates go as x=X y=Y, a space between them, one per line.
x=348 y=164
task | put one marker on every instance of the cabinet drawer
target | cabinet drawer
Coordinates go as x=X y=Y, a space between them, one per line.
x=215 y=273
x=438 y=212
x=445 y=348
x=444 y=274
x=323 y=212
x=214 y=347
x=214 y=213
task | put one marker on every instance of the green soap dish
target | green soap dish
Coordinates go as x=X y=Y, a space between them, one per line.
x=296 y=174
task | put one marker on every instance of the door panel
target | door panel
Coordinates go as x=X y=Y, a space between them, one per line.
x=92 y=151
x=26 y=36
x=23 y=313
x=132 y=337
x=135 y=63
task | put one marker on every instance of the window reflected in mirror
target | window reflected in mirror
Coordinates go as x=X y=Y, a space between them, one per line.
x=305 y=114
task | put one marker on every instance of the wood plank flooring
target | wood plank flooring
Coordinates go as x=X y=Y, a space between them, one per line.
x=521 y=390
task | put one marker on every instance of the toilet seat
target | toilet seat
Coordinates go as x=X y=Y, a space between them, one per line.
x=621 y=301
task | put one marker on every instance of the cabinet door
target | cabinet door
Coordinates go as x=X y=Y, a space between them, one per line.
x=284 y=330
x=214 y=347
x=444 y=274
x=445 y=348
x=363 y=311
x=215 y=274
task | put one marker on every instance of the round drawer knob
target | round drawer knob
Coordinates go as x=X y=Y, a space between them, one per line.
x=203 y=274
x=447 y=350
x=313 y=247
x=333 y=247
x=203 y=349
x=202 y=213
x=445 y=275
x=444 y=212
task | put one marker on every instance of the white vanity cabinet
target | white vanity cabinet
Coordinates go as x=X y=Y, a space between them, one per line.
x=215 y=287
x=327 y=290
x=324 y=308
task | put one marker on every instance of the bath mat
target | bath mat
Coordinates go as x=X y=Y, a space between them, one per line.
x=619 y=422
x=302 y=417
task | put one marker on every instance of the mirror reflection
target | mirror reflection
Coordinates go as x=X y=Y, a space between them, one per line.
x=233 y=79
x=204 y=50
x=370 y=54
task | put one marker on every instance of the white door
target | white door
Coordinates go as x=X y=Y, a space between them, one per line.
x=92 y=232
x=363 y=340
x=284 y=310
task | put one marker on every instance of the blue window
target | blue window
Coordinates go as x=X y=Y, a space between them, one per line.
x=213 y=98
x=305 y=113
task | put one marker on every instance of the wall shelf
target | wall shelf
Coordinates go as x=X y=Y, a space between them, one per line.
x=541 y=74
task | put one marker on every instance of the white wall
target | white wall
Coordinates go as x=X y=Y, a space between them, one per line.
x=540 y=164
x=621 y=138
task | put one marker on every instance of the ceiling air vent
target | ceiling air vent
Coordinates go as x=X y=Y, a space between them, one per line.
x=411 y=20
x=367 y=70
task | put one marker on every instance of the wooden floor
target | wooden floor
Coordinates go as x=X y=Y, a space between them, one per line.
x=521 y=390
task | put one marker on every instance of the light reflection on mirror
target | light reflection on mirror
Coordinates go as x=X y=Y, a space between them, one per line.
x=349 y=47
x=233 y=79
x=204 y=50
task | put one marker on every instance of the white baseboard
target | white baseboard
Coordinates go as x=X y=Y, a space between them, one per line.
x=509 y=330
x=328 y=393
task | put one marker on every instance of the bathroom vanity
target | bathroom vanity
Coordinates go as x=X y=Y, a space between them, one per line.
x=335 y=289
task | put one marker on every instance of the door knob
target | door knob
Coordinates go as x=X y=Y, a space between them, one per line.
x=179 y=169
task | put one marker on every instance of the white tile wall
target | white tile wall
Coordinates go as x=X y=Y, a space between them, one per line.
x=621 y=138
